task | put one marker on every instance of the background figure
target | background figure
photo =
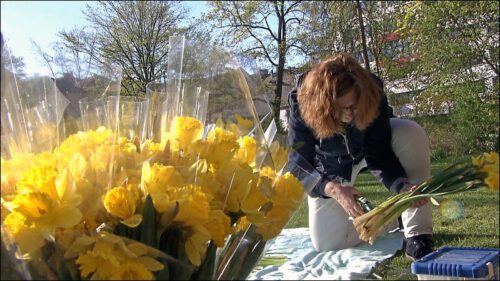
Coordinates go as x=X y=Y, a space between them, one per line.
x=341 y=122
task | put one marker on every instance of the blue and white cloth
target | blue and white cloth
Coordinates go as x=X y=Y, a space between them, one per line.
x=304 y=263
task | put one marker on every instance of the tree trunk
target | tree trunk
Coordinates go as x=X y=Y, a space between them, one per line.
x=278 y=92
x=363 y=36
x=280 y=67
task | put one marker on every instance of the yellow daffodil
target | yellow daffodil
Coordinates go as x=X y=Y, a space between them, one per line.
x=289 y=191
x=274 y=221
x=242 y=224
x=99 y=263
x=46 y=214
x=224 y=146
x=94 y=179
x=28 y=239
x=36 y=216
x=279 y=155
x=492 y=180
x=204 y=174
x=237 y=178
x=107 y=257
x=184 y=131
x=246 y=152
x=132 y=270
x=159 y=178
x=149 y=149
x=459 y=177
x=39 y=178
x=196 y=244
x=193 y=205
x=218 y=225
x=256 y=198
x=121 y=203
x=234 y=128
x=268 y=172
x=244 y=124
x=487 y=163
x=13 y=170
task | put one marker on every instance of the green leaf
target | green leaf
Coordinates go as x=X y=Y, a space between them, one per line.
x=148 y=229
x=122 y=230
x=166 y=219
x=177 y=243
x=63 y=272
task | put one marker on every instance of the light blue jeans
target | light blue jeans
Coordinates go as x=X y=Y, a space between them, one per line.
x=329 y=224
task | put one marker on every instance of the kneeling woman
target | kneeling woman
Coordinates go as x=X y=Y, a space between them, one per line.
x=340 y=122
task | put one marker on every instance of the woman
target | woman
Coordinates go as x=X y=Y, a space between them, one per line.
x=340 y=122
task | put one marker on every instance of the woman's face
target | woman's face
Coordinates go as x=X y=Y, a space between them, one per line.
x=347 y=106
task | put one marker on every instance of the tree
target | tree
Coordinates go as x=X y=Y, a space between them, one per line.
x=363 y=34
x=11 y=62
x=328 y=29
x=134 y=34
x=266 y=30
x=458 y=58
x=359 y=28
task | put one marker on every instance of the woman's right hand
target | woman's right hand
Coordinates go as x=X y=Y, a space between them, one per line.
x=346 y=197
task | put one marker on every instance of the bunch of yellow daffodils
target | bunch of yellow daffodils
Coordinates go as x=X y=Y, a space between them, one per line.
x=112 y=204
x=481 y=172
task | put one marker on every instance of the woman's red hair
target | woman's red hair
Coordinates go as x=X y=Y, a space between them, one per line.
x=329 y=80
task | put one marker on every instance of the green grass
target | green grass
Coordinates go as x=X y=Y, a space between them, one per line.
x=477 y=227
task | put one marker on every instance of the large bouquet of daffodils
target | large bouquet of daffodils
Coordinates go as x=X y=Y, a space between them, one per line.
x=479 y=172
x=175 y=185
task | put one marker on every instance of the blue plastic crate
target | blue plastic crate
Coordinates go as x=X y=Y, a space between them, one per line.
x=455 y=263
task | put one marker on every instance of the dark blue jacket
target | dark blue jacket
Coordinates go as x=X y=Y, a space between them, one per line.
x=334 y=157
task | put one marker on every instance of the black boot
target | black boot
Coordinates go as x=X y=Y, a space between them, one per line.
x=419 y=246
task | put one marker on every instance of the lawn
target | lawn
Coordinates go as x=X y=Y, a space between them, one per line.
x=469 y=219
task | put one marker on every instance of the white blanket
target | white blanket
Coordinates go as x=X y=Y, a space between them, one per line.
x=302 y=262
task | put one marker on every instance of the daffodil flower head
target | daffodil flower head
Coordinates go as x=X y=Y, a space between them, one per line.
x=28 y=239
x=241 y=224
x=223 y=144
x=279 y=155
x=269 y=172
x=184 y=130
x=275 y=220
x=36 y=216
x=247 y=150
x=193 y=205
x=13 y=170
x=120 y=202
x=159 y=178
x=107 y=256
x=238 y=178
x=289 y=191
x=244 y=124
x=195 y=246
x=487 y=163
x=258 y=195
x=218 y=225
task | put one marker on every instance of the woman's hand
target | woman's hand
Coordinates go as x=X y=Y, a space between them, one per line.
x=346 y=196
x=418 y=203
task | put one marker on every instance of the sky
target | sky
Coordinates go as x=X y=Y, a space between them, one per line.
x=22 y=21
